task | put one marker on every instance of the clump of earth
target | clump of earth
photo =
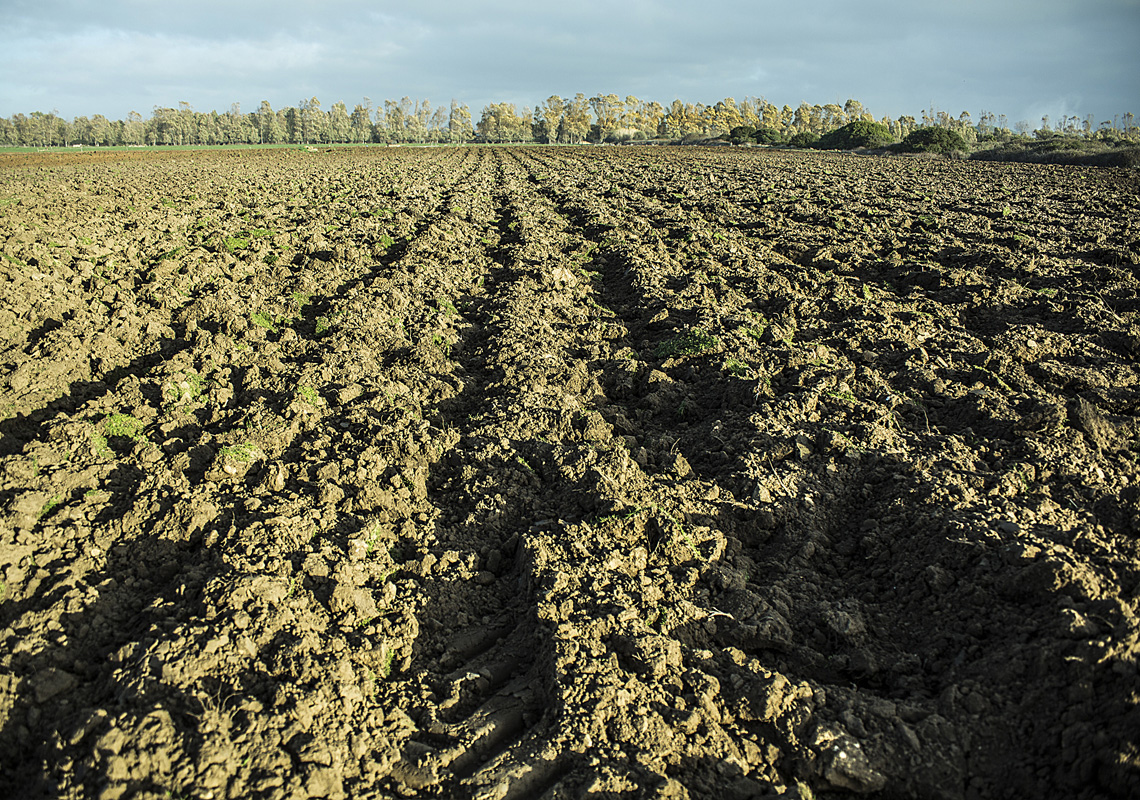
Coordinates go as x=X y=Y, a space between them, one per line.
x=599 y=472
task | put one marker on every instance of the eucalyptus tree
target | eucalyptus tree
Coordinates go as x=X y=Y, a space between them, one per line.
x=360 y=123
x=269 y=127
x=459 y=128
x=339 y=124
x=548 y=119
x=607 y=110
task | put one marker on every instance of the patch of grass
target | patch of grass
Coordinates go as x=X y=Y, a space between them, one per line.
x=235 y=243
x=187 y=387
x=310 y=395
x=690 y=343
x=48 y=506
x=169 y=254
x=372 y=538
x=736 y=367
x=243 y=453
x=124 y=426
x=443 y=345
x=756 y=331
x=99 y=443
x=387 y=664
x=446 y=307
x=845 y=396
x=263 y=321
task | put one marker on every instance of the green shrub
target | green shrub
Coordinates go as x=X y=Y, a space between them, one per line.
x=741 y=134
x=855 y=135
x=767 y=136
x=803 y=139
x=933 y=140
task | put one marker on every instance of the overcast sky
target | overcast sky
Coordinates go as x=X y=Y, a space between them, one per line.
x=1021 y=58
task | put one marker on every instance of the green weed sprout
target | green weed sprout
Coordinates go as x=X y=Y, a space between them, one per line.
x=243 y=453
x=386 y=666
x=187 y=389
x=736 y=366
x=310 y=395
x=446 y=307
x=48 y=506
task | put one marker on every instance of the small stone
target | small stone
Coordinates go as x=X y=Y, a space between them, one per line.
x=1076 y=625
x=849 y=768
x=51 y=683
x=680 y=466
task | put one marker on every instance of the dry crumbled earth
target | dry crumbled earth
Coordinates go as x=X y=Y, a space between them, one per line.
x=513 y=473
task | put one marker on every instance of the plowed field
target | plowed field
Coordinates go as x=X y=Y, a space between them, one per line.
x=512 y=473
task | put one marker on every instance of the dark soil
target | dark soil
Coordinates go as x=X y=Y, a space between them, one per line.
x=567 y=473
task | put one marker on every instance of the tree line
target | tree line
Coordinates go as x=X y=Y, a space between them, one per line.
x=601 y=118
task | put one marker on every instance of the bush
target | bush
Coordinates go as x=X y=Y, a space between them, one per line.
x=1061 y=150
x=741 y=134
x=803 y=139
x=767 y=136
x=856 y=134
x=933 y=140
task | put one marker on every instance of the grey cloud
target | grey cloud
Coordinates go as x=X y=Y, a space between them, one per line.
x=1007 y=56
